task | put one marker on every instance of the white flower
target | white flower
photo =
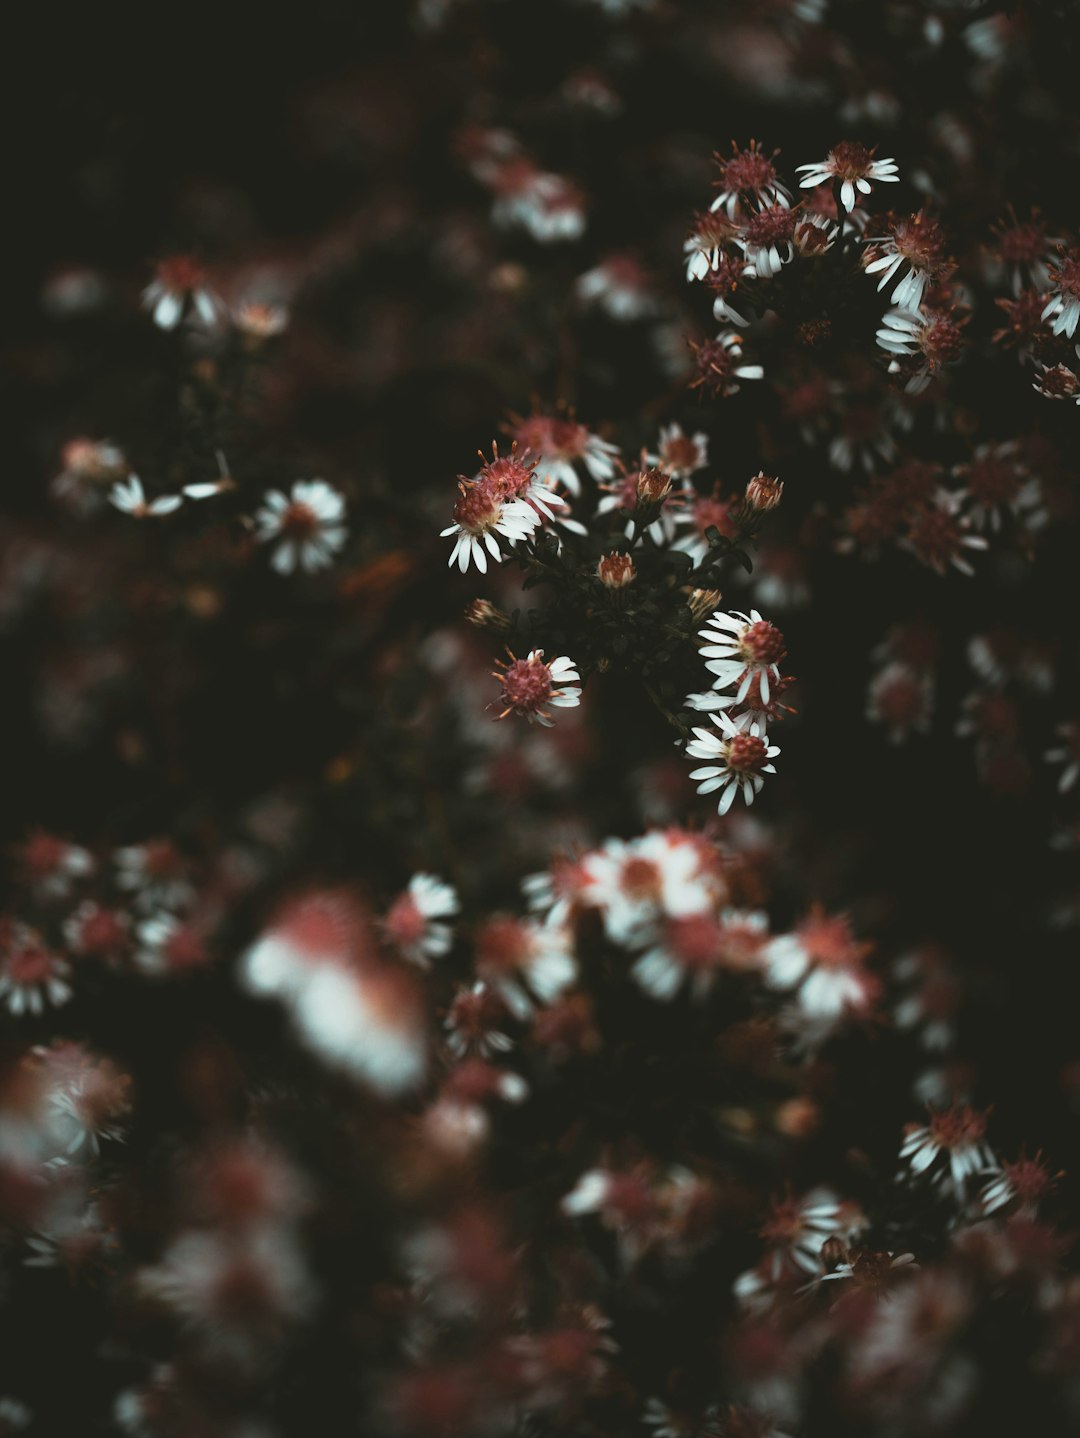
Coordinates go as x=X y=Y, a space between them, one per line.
x=739 y=761
x=679 y=454
x=178 y=284
x=31 y=976
x=482 y=511
x=1068 y=755
x=308 y=522
x=957 y=1134
x=742 y=647
x=529 y=685
x=546 y=205
x=1063 y=307
x=620 y=287
x=412 y=924
x=854 y=166
x=128 y=496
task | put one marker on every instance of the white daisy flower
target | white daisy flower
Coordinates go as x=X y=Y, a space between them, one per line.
x=854 y=166
x=741 y=647
x=179 y=286
x=739 y=760
x=128 y=496
x=308 y=522
x=412 y=924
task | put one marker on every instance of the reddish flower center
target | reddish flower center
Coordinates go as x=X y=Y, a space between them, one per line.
x=748 y=172
x=715 y=512
x=479 y=507
x=527 y=685
x=957 y=1127
x=746 y=753
x=29 y=966
x=507 y=475
x=772 y=226
x=299 y=521
x=850 y=160
x=180 y=273
x=762 y=643
x=694 y=941
x=405 y=923
x=1066 y=275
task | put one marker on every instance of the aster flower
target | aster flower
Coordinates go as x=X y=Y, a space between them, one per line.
x=739 y=761
x=955 y=1135
x=679 y=454
x=32 y=977
x=748 y=177
x=766 y=238
x=667 y=874
x=705 y=244
x=854 y=166
x=412 y=923
x=554 y=446
x=940 y=536
x=901 y=698
x=88 y=465
x=1063 y=307
x=1068 y=755
x=529 y=685
x=914 y=251
x=524 y=963
x=720 y=364
x=307 y=525
x=179 y=286
x=740 y=648
x=483 y=510
x=933 y=337
x=548 y=206
x=697 y=948
x=823 y=965
x=129 y=497
x=697 y=514
x=621 y=287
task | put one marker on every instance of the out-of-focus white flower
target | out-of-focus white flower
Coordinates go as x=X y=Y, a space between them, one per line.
x=180 y=287
x=739 y=761
x=308 y=523
x=412 y=923
x=129 y=497
x=854 y=166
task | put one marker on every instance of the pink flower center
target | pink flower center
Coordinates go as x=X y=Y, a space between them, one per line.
x=762 y=643
x=748 y=172
x=479 y=507
x=299 y=521
x=957 y=1127
x=850 y=160
x=405 y=923
x=30 y=966
x=745 y=753
x=527 y=685
x=772 y=226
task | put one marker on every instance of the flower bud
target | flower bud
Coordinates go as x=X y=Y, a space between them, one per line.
x=486 y=615
x=763 y=492
x=653 y=488
x=616 y=571
x=702 y=601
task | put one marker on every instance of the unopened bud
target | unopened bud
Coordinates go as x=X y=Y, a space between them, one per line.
x=486 y=615
x=616 y=571
x=833 y=1252
x=653 y=487
x=763 y=492
x=702 y=601
x=798 y=1117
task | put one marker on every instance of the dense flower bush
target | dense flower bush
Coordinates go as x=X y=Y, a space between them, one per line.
x=540 y=815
